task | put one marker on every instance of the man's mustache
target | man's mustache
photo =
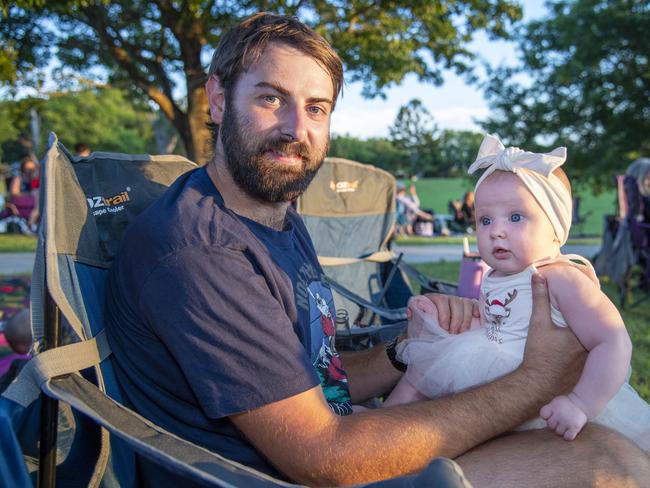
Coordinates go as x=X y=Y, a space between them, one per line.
x=299 y=149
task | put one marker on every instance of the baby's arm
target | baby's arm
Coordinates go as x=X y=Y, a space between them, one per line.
x=599 y=327
x=422 y=322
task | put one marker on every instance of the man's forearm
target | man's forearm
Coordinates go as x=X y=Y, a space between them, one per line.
x=404 y=439
x=387 y=442
x=370 y=373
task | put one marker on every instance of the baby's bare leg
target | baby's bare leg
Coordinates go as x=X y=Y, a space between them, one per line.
x=423 y=318
x=403 y=392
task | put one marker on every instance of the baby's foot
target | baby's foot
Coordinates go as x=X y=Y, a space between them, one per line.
x=564 y=417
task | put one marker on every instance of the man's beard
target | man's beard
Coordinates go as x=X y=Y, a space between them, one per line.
x=257 y=175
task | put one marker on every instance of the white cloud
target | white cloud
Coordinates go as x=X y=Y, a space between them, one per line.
x=364 y=121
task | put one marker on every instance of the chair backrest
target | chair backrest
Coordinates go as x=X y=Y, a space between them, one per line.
x=87 y=205
x=349 y=210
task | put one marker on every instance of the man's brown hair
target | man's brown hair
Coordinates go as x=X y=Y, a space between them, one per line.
x=243 y=45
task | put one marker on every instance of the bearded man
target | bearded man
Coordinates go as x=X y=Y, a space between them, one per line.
x=220 y=324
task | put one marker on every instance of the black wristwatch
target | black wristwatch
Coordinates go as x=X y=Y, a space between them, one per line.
x=391 y=352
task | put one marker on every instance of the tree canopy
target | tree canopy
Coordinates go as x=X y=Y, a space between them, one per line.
x=161 y=47
x=414 y=131
x=588 y=86
x=105 y=119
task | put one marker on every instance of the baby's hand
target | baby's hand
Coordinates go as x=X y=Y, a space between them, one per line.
x=420 y=311
x=564 y=417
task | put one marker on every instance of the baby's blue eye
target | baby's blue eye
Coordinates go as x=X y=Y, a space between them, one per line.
x=515 y=217
x=485 y=221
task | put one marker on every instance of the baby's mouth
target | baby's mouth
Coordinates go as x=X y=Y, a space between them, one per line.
x=501 y=253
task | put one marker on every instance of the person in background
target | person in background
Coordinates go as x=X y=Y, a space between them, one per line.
x=27 y=180
x=408 y=209
x=467 y=210
x=81 y=150
x=413 y=195
x=23 y=192
x=636 y=185
x=18 y=332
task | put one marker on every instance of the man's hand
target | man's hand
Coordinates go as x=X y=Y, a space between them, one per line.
x=553 y=357
x=455 y=314
x=564 y=417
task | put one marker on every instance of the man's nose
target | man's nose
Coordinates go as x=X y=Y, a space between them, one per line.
x=294 y=124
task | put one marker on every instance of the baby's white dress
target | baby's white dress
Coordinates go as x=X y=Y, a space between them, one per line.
x=440 y=363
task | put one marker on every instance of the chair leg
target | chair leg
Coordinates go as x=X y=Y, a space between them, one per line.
x=49 y=406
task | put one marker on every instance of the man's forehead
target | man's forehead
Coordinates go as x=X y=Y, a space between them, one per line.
x=284 y=66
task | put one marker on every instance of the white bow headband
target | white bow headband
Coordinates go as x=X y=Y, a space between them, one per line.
x=536 y=172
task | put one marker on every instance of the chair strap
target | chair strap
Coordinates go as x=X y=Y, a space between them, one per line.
x=375 y=257
x=60 y=361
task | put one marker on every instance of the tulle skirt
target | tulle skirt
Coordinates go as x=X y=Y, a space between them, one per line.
x=440 y=364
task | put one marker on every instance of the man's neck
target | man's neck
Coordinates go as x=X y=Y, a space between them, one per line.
x=266 y=213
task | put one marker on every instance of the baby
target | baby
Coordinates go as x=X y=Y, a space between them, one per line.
x=523 y=215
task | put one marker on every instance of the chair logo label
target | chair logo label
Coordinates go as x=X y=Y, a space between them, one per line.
x=101 y=205
x=344 y=186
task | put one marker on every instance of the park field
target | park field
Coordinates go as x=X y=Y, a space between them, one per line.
x=435 y=194
x=17 y=243
x=636 y=320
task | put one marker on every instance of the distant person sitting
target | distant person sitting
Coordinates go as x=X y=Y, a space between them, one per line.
x=408 y=211
x=18 y=334
x=81 y=150
x=27 y=180
x=22 y=200
x=637 y=200
x=462 y=213
x=467 y=210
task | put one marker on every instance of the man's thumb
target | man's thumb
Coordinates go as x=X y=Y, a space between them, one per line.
x=541 y=305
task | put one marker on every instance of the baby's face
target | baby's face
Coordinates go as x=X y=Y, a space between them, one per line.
x=512 y=229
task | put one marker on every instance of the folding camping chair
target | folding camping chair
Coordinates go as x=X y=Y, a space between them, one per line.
x=632 y=204
x=87 y=205
x=625 y=243
x=349 y=211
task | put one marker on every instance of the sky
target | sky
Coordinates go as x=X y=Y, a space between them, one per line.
x=454 y=105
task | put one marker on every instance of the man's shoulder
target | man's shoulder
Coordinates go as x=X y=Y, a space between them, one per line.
x=189 y=213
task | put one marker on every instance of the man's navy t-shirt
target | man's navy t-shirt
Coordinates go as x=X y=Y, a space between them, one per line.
x=210 y=314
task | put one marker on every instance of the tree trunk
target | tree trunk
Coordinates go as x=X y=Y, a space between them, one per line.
x=197 y=119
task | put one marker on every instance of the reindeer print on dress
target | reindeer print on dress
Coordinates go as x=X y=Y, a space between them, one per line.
x=496 y=313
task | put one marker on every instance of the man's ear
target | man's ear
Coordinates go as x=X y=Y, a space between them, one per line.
x=216 y=98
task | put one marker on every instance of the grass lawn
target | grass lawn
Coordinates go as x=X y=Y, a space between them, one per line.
x=435 y=194
x=440 y=240
x=636 y=320
x=17 y=243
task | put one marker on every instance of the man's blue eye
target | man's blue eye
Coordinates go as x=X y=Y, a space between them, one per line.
x=485 y=221
x=515 y=217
